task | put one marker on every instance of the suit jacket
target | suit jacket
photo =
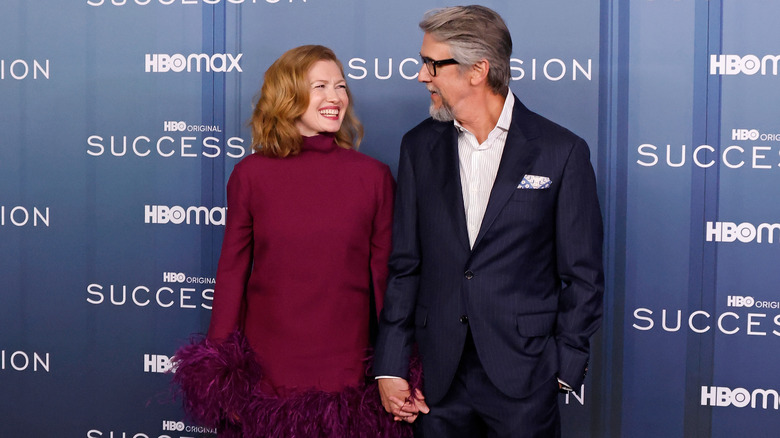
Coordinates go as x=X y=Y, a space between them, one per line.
x=530 y=288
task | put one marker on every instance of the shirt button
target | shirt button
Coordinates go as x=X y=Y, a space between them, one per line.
x=464 y=319
x=469 y=275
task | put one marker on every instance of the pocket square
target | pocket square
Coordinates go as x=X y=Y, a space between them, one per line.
x=534 y=182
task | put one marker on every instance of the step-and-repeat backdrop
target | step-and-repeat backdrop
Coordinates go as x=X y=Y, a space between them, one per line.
x=121 y=120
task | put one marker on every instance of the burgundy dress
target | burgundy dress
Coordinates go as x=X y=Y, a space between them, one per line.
x=307 y=239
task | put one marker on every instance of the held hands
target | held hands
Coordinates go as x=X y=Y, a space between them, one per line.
x=397 y=401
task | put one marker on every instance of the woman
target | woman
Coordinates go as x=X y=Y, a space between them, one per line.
x=306 y=242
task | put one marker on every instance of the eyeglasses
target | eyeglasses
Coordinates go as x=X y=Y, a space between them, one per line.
x=431 y=64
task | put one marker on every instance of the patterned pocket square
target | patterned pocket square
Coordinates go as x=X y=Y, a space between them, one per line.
x=534 y=182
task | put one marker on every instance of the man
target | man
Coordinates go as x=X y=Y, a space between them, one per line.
x=496 y=271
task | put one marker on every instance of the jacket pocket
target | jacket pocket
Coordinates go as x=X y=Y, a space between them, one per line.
x=529 y=195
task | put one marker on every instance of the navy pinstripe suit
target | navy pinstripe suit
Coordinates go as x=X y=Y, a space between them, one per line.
x=532 y=285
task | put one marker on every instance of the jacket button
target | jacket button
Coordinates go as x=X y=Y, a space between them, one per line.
x=469 y=275
x=464 y=319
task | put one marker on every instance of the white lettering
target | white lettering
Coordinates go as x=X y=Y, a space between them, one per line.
x=700 y=321
x=726 y=161
x=720 y=323
x=751 y=323
x=141 y=296
x=748 y=64
x=20 y=361
x=663 y=321
x=20 y=216
x=765 y=398
x=19 y=69
x=757 y=156
x=218 y=62
x=744 y=232
x=165 y=146
x=641 y=151
x=649 y=320
x=769 y=228
x=703 y=156
x=696 y=156
x=694 y=328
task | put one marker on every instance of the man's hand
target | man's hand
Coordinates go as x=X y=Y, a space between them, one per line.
x=397 y=401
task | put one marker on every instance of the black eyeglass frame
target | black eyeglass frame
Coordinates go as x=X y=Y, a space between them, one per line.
x=433 y=63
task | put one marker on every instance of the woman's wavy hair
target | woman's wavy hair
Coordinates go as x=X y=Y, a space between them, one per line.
x=284 y=98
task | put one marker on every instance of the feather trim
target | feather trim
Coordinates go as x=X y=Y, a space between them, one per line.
x=218 y=382
x=352 y=412
x=215 y=379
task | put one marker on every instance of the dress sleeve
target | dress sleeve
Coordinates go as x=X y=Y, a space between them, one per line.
x=381 y=236
x=235 y=260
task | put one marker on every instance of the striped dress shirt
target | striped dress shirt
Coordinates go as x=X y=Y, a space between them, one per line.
x=479 y=166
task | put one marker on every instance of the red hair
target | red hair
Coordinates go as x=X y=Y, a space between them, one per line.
x=284 y=98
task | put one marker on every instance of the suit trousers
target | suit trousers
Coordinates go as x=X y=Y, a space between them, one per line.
x=474 y=407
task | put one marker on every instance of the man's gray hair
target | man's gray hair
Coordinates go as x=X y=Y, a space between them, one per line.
x=474 y=33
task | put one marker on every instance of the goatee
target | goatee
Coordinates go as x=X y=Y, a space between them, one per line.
x=442 y=113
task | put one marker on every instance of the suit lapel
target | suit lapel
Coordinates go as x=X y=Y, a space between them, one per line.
x=518 y=157
x=447 y=177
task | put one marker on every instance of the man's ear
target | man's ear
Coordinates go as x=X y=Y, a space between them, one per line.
x=479 y=72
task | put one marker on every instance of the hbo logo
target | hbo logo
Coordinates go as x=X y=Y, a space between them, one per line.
x=157 y=363
x=174 y=277
x=173 y=426
x=174 y=126
x=721 y=396
x=744 y=134
x=737 y=301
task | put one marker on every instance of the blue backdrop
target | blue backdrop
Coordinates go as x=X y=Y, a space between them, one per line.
x=121 y=120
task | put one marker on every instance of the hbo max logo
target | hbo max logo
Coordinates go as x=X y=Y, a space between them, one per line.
x=174 y=126
x=163 y=214
x=218 y=62
x=744 y=232
x=739 y=397
x=737 y=301
x=748 y=64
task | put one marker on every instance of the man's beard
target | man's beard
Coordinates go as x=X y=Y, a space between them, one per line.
x=442 y=113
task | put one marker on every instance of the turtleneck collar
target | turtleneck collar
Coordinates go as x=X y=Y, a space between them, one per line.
x=320 y=143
